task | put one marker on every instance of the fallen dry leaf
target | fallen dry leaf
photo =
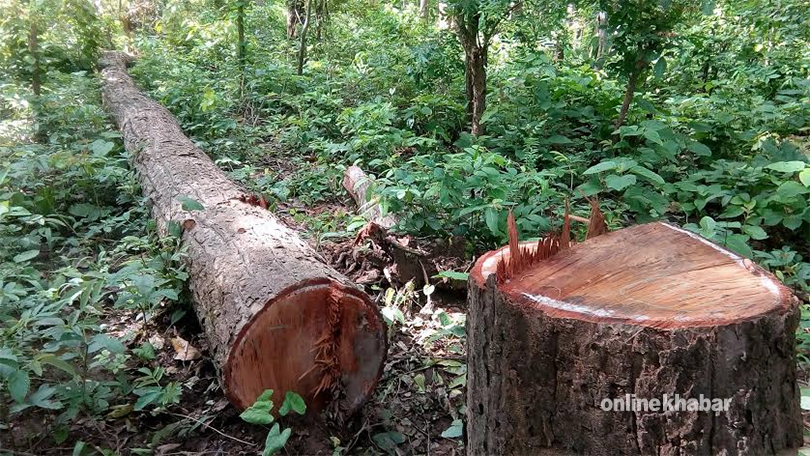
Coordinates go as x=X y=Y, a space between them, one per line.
x=185 y=351
x=156 y=341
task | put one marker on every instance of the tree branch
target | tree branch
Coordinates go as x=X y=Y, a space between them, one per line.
x=491 y=30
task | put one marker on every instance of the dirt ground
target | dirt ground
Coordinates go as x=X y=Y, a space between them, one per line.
x=421 y=392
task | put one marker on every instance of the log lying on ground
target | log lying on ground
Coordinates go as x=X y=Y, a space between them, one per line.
x=358 y=184
x=639 y=313
x=276 y=317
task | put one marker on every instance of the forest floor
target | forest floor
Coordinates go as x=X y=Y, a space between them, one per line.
x=417 y=408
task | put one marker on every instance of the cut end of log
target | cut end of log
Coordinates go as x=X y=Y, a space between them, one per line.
x=322 y=340
x=653 y=275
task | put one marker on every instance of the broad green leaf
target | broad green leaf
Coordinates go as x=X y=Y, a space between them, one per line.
x=103 y=341
x=660 y=68
x=25 y=256
x=604 y=166
x=739 y=244
x=700 y=149
x=707 y=225
x=101 y=148
x=804 y=177
x=42 y=398
x=756 y=232
x=590 y=188
x=653 y=136
x=455 y=275
x=791 y=189
x=488 y=115
x=58 y=363
x=620 y=182
x=455 y=430
x=491 y=217
x=559 y=139
x=732 y=212
x=18 y=385
x=189 y=204
x=259 y=412
x=275 y=440
x=644 y=172
x=147 y=397
x=175 y=230
x=8 y=367
x=84 y=210
x=81 y=449
x=292 y=401
x=792 y=222
x=787 y=166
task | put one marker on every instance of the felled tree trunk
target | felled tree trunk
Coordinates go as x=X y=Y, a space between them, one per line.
x=358 y=184
x=632 y=315
x=276 y=317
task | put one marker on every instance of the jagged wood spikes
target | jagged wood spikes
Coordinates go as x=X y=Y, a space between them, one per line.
x=596 y=224
x=515 y=255
x=520 y=258
x=565 y=235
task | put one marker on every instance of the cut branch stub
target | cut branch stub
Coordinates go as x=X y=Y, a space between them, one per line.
x=645 y=311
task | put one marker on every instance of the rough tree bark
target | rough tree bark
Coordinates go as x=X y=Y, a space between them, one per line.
x=274 y=314
x=33 y=50
x=424 y=10
x=601 y=33
x=302 y=48
x=241 y=46
x=475 y=69
x=358 y=184
x=295 y=13
x=646 y=311
x=632 y=83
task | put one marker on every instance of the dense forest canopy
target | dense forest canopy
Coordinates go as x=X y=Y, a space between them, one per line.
x=691 y=112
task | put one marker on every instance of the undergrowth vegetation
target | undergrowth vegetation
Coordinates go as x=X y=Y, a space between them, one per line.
x=78 y=248
x=715 y=140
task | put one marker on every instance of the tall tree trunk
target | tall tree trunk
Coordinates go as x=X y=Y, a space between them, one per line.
x=560 y=50
x=294 y=16
x=629 y=93
x=33 y=49
x=475 y=69
x=302 y=50
x=424 y=11
x=601 y=33
x=477 y=83
x=241 y=47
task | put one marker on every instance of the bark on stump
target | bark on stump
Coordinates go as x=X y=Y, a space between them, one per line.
x=645 y=311
x=276 y=317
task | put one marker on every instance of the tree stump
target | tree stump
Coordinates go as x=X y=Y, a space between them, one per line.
x=274 y=314
x=639 y=313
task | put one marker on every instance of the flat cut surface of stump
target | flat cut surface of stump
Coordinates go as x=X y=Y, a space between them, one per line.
x=646 y=312
x=653 y=275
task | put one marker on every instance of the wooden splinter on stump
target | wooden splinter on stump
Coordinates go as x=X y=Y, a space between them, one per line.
x=275 y=316
x=557 y=334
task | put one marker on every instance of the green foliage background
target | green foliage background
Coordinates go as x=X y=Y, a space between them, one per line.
x=716 y=141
